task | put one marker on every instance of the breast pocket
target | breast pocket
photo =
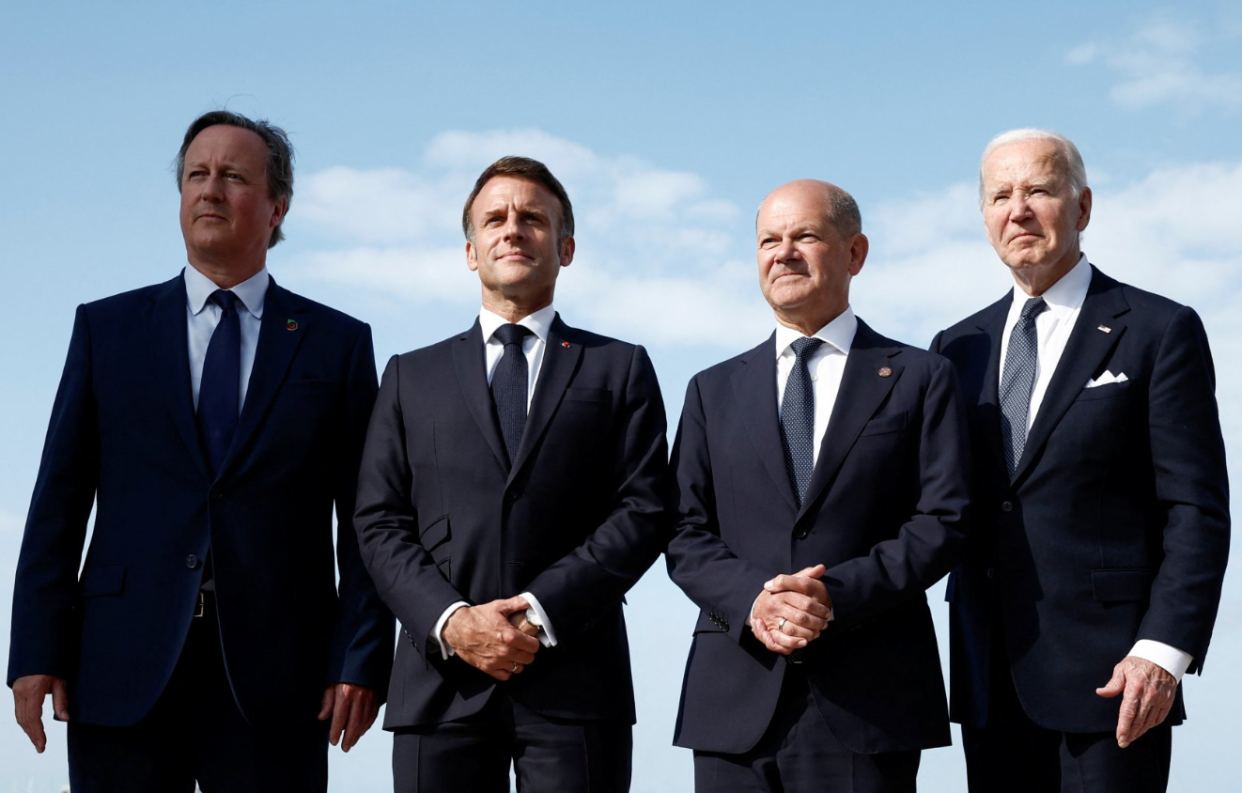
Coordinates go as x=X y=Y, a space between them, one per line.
x=588 y=395
x=883 y=425
x=1106 y=391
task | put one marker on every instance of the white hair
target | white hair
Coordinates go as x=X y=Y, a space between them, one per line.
x=1066 y=150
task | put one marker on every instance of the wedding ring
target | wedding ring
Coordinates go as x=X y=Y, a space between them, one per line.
x=515 y=667
x=780 y=626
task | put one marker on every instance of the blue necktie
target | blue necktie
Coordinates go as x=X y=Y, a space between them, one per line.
x=509 y=387
x=220 y=387
x=798 y=418
x=1018 y=380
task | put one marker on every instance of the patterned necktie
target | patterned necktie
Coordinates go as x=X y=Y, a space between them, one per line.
x=509 y=384
x=1018 y=380
x=219 y=389
x=798 y=418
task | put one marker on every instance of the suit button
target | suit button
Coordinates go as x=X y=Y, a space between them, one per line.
x=512 y=496
x=217 y=496
x=1006 y=506
x=801 y=534
x=991 y=573
x=191 y=561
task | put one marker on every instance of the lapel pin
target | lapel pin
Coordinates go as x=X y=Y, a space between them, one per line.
x=1104 y=329
x=291 y=324
x=565 y=344
x=885 y=371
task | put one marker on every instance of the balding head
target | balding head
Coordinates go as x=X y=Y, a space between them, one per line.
x=837 y=205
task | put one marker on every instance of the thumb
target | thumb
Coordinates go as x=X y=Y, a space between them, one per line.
x=812 y=572
x=60 y=699
x=328 y=704
x=1115 y=685
x=513 y=605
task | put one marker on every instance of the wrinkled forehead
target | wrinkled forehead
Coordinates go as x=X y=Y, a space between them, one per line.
x=1025 y=162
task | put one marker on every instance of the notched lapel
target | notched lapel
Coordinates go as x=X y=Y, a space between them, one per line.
x=272 y=357
x=471 y=369
x=166 y=330
x=560 y=360
x=754 y=386
x=1084 y=352
x=863 y=390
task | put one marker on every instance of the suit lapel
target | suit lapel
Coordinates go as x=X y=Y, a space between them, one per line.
x=864 y=388
x=166 y=331
x=471 y=368
x=560 y=360
x=754 y=386
x=1086 y=349
x=992 y=325
x=286 y=321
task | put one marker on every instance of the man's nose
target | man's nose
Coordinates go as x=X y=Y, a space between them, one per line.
x=1018 y=207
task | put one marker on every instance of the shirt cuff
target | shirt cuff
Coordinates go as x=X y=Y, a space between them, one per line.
x=1168 y=658
x=437 y=630
x=547 y=636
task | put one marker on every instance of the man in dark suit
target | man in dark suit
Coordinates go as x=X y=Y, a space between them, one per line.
x=512 y=489
x=213 y=421
x=1100 y=495
x=822 y=479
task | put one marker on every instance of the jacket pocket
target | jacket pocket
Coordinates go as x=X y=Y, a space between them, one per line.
x=886 y=424
x=104 y=579
x=1121 y=585
x=588 y=394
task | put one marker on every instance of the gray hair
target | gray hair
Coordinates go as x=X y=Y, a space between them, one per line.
x=279 y=164
x=1067 y=152
x=842 y=213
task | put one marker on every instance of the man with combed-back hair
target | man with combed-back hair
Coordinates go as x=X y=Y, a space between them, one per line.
x=512 y=490
x=1100 y=500
x=214 y=422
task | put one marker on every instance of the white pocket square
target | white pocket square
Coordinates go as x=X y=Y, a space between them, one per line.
x=1106 y=378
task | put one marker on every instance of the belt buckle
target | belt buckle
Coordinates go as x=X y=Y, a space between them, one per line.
x=199 y=608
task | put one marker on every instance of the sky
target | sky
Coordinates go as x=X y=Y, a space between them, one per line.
x=668 y=123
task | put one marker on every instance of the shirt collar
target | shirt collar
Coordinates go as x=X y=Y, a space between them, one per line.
x=252 y=292
x=839 y=333
x=1066 y=295
x=538 y=323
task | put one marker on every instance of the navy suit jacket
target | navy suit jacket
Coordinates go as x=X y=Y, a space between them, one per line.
x=576 y=520
x=123 y=437
x=1116 y=525
x=883 y=512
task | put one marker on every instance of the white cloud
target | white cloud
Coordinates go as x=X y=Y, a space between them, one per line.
x=1159 y=65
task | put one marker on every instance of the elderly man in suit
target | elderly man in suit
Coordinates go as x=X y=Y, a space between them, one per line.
x=213 y=421
x=512 y=489
x=1092 y=581
x=823 y=478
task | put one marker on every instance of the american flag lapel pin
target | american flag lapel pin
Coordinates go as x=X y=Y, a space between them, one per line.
x=1104 y=329
x=291 y=324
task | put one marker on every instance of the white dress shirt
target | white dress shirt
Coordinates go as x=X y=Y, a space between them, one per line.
x=1052 y=331
x=202 y=316
x=533 y=346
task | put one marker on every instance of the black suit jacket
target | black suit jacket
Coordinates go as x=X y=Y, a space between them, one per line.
x=883 y=512
x=123 y=437
x=1116 y=525
x=575 y=521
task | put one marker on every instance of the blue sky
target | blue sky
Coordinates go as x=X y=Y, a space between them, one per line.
x=668 y=122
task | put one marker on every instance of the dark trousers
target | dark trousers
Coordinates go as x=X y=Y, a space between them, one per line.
x=548 y=755
x=195 y=732
x=799 y=753
x=1013 y=754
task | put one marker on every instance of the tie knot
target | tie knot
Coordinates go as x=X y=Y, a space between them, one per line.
x=805 y=346
x=1032 y=308
x=511 y=334
x=226 y=300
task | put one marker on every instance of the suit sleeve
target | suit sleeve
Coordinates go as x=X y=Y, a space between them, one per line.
x=699 y=560
x=44 y=628
x=577 y=588
x=387 y=524
x=362 y=643
x=931 y=542
x=1192 y=488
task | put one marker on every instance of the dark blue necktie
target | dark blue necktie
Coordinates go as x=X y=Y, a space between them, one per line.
x=1018 y=380
x=798 y=418
x=220 y=387
x=509 y=386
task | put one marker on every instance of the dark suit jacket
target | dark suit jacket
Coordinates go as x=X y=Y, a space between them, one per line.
x=123 y=437
x=577 y=519
x=1116 y=526
x=883 y=512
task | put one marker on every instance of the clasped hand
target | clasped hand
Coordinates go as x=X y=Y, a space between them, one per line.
x=488 y=636
x=791 y=611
